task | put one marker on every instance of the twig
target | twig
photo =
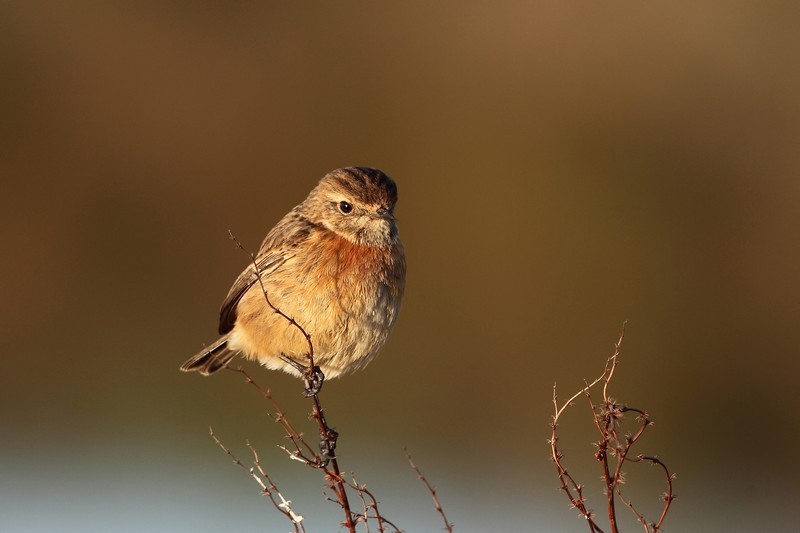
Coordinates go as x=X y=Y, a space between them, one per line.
x=447 y=525
x=607 y=418
x=668 y=496
x=269 y=489
x=571 y=488
x=372 y=504
x=304 y=452
x=258 y=273
x=608 y=372
x=285 y=504
x=365 y=516
x=280 y=417
x=328 y=436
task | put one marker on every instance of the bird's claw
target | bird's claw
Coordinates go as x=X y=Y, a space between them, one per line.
x=313 y=377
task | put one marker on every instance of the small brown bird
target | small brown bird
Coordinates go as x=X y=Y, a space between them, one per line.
x=335 y=264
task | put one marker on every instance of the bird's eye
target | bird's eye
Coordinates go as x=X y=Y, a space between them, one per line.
x=345 y=207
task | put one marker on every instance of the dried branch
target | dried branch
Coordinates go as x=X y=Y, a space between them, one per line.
x=370 y=504
x=365 y=517
x=258 y=273
x=447 y=525
x=324 y=458
x=667 y=496
x=285 y=504
x=268 y=487
x=303 y=452
x=313 y=377
x=613 y=451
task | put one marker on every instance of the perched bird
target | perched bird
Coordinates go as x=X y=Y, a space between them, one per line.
x=335 y=265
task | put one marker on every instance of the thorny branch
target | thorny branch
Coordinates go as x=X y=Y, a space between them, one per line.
x=607 y=417
x=268 y=487
x=324 y=458
x=328 y=436
x=303 y=452
x=447 y=525
x=370 y=504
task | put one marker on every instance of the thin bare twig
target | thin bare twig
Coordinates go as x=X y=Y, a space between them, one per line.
x=572 y=488
x=328 y=436
x=447 y=525
x=269 y=489
x=302 y=450
x=668 y=496
x=608 y=373
x=258 y=273
x=365 y=517
x=607 y=418
x=285 y=504
x=370 y=503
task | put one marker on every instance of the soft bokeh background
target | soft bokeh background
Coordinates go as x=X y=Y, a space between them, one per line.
x=563 y=166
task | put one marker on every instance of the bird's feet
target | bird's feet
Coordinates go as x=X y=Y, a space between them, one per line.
x=313 y=380
x=313 y=377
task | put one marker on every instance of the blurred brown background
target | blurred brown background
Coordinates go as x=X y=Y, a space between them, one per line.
x=562 y=166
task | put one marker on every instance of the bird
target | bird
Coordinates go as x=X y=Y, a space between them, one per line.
x=330 y=275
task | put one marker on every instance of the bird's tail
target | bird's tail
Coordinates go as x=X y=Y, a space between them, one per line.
x=211 y=359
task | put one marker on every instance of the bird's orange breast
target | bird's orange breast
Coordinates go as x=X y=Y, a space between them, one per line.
x=345 y=295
